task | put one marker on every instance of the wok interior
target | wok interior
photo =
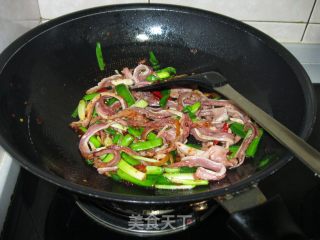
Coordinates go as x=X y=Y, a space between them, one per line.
x=43 y=82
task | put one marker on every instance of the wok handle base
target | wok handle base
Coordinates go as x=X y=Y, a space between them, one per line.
x=270 y=220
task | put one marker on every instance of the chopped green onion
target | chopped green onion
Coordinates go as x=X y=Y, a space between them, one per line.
x=238 y=129
x=144 y=158
x=153 y=60
x=140 y=104
x=144 y=183
x=115 y=177
x=135 y=131
x=179 y=176
x=75 y=113
x=82 y=109
x=90 y=96
x=126 y=140
x=93 y=139
x=108 y=141
x=165 y=96
x=253 y=147
x=188 y=169
x=129 y=159
x=141 y=146
x=107 y=157
x=133 y=172
x=174 y=187
x=151 y=136
x=99 y=56
x=172 y=170
x=124 y=92
x=161 y=180
x=190 y=182
x=96 y=143
x=181 y=170
x=154 y=170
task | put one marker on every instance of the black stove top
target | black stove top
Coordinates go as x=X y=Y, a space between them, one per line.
x=41 y=211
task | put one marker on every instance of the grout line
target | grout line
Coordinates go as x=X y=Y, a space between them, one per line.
x=40 y=16
x=305 y=29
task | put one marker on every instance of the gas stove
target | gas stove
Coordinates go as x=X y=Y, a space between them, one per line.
x=42 y=211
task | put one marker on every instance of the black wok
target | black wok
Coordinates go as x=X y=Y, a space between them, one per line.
x=45 y=72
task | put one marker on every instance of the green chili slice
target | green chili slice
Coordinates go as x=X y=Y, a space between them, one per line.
x=170 y=70
x=141 y=146
x=93 y=139
x=90 y=96
x=165 y=96
x=99 y=56
x=75 y=113
x=253 y=147
x=152 y=78
x=126 y=140
x=238 y=129
x=129 y=159
x=136 y=132
x=116 y=138
x=124 y=92
x=153 y=60
x=111 y=101
x=111 y=131
x=107 y=157
x=151 y=136
x=192 y=109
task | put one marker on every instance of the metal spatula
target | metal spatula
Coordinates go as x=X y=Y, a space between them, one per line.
x=214 y=81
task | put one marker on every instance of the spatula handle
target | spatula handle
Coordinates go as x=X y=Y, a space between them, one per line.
x=306 y=153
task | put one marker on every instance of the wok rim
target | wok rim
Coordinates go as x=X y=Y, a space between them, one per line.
x=293 y=63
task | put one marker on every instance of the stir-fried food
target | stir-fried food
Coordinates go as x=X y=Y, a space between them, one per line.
x=173 y=139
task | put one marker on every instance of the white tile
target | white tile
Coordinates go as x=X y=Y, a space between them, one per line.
x=312 y=34
x=42 y=20
x=313 y=71
x=282 y=32
x=54 y=8
x=9 y=170
x=305 y=53
x=19 y=9
x=315 y=17
x=253 y=10
x=10 y=30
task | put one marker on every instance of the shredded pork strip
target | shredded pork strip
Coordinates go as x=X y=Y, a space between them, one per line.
x=172 y=123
